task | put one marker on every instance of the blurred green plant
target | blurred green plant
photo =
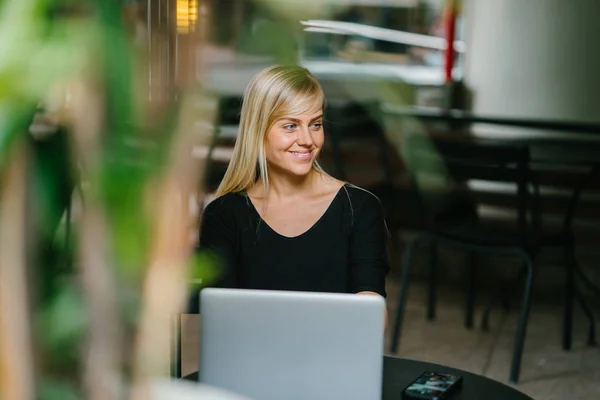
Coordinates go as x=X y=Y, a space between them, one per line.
x=49 y=44
x=123 y=164
x=35 y=54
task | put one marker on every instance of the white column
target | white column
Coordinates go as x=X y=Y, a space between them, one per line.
x=534 y=58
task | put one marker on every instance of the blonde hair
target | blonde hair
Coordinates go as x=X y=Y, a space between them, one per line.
x=273 y=93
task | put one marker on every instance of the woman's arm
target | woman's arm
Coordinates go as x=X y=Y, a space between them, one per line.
x=217 y=237
x=385 y=313
x=217 y=241
x=368 y=247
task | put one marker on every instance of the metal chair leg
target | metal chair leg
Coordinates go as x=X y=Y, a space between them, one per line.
x=407 y=265
x=589 y=314
x=506 y=299
x=501 y=294
x=431 y=299
x=569 y=261
x=522 y=325
x=471 y=288
x=485 y=319
x=586 y=280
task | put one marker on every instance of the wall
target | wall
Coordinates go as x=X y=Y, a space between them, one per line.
x=534 y=58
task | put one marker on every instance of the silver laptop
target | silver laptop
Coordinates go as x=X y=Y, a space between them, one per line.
x=281 y=345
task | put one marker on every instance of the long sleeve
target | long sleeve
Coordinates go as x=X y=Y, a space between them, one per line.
x=368 y=246
x=217 y=239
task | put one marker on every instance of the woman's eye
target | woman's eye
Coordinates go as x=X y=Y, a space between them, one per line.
x=317 y=125
x=289 y=127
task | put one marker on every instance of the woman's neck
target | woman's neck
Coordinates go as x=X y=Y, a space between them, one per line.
x=283 y=186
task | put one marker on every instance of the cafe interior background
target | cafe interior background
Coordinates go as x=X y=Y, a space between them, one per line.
x=117 y=121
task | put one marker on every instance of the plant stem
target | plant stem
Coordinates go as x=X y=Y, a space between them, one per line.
x=16 y=351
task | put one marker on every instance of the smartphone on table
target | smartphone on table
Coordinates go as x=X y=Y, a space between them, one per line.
x=432 y=386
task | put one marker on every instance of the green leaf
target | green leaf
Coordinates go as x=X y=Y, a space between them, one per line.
x=204 y=269
x=58 y=390
x=63 y=321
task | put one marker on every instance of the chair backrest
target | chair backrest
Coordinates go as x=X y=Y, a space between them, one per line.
x=230 y=108
x=347 y=120
x=454 y=163
x=227 y=120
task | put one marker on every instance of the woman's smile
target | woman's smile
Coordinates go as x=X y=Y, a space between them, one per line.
x=303 y=155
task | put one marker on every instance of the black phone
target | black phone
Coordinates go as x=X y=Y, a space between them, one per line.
x=432 y=386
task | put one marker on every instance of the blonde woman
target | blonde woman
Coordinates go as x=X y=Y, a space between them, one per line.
x=279 y=221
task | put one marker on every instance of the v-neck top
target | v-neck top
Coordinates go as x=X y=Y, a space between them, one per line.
x=343 y=252
x=262 y=221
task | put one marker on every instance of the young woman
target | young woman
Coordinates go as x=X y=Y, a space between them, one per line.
x=279 y=221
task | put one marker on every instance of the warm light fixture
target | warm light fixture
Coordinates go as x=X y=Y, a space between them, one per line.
x=187 y=15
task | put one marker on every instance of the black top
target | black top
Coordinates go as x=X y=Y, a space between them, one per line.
x=343 y=252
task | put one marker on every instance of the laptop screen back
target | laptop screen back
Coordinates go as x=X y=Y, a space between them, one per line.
x=272 y=345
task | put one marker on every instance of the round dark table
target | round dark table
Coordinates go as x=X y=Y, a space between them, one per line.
x=398 y=373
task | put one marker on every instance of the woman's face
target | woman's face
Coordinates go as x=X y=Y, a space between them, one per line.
x=294 y=142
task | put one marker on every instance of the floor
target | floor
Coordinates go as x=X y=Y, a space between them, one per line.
x=548 y=372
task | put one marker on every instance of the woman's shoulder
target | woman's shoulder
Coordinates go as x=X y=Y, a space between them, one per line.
x=357 y=194
x=228 y=203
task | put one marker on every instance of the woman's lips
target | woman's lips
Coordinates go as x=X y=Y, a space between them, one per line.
x=301 y=155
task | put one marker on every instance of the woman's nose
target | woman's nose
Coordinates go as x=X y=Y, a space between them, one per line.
x=305 y=137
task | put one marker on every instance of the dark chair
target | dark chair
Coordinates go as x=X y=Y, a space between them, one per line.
x=357 y=138
x=452 y=219
x=565 y=239
x=572 y=290
x=175 y=346
x=347 y=120
x=227 y=119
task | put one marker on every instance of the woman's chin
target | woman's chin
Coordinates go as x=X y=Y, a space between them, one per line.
x=299 y=170
x=302 y=169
